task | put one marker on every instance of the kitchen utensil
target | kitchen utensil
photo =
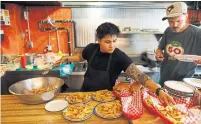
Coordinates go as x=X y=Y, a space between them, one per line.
x=24 y=89
x=46 y=70
x=30 y=43
x=49 y=20
x=49 y=46
x=58 y=42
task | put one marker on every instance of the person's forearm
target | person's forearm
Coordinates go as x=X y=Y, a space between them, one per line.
x=151 y=85
x=141 y=78
x=73 y=58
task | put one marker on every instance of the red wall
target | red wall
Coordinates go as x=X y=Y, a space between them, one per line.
x=194 y=16
x=13 y=43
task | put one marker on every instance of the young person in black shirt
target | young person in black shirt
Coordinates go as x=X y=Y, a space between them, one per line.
x=105 y=63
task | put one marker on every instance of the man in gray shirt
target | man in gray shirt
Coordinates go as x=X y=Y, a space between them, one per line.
x=178 y=39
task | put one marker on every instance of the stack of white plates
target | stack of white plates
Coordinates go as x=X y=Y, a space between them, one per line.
x=179 y=88
x=194 y=82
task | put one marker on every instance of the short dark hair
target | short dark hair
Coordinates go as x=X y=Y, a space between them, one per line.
x=105 y=29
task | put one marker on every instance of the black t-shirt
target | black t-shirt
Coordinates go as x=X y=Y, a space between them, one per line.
x=120 y=61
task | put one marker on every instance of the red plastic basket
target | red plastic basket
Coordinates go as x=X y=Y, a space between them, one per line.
x=132 y=106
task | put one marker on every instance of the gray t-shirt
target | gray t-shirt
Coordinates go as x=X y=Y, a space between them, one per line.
x=174 y=43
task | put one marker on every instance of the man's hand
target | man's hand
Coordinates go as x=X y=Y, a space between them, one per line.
x=197 y=61
x=166 y=98
x=159 y=55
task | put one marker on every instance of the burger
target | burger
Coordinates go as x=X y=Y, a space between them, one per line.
x=120 y=86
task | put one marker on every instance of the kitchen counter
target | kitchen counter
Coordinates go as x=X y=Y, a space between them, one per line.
x=74 y=81
x=13 y=111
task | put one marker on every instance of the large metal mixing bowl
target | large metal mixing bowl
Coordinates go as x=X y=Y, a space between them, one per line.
x=23 y=89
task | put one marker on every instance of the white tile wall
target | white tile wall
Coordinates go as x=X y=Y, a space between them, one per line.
x=88 y=19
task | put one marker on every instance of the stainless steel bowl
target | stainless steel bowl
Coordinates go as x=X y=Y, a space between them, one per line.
x=23 y=89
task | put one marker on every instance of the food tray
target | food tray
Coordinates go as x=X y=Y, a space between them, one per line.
x=102 y=116
x=94 y=98
x=103 y=93
x=77 y=120
x=154 y=110
x=70 y=102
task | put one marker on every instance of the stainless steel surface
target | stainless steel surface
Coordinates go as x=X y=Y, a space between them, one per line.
x=75 y=81
x=23 y=89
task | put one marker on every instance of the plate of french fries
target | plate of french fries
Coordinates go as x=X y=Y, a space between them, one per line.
x=79 y=97
x=169 y=113
x=78 y=112
x=172 y=113
x=103 y=96
x=109 y=110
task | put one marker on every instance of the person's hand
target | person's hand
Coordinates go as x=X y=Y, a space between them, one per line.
x=197 y=61
x=165 y=97
x=60 y=61
x=159 y=55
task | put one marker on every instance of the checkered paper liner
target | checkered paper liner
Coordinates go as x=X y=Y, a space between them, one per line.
x=190 y=119
x=187 y=101
x=124 y=92
x=132 y=105
x=151 y=109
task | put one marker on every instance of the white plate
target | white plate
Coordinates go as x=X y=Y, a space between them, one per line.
x=187 y=58
x=56 y=105
x=180 y=86
x=193 y=81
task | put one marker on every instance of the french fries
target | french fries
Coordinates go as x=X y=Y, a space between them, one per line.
x=78 y=111
x=42 y=90
x=109 y=109
x=171 y=112
x=78 y=97
x=104 y=95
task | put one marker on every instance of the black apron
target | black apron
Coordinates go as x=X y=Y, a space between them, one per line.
x=95 y=79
